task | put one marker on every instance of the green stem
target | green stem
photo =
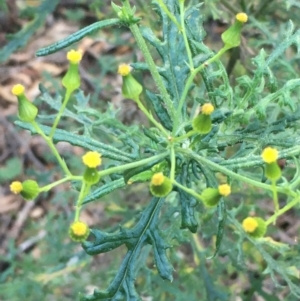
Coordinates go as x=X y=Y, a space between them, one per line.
x=151 y=65
x=182 y=137
x=234 y=175
x=275 y=196
x=173 y=163
x=150 y=117
x=187 y=190
x=281 y=211
x=83 y=192
x=168 y=13
x=62 y=108
x=51 y=145
x=188 y=85
x=68 y=178
x=186 y=42
x=117 y=169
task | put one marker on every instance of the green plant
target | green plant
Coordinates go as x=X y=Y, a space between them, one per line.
x=232 y=144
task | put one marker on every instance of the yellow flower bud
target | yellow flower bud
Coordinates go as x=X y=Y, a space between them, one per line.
x=74 y=56
x=270 y=155
x=124 y=69
x=131 y=88
x=207 y=109
x=224 y=189
x=79 y=231
x=18 y=90
x=254 y=226
x=92 y=159
x=27 y=111
x=250 y=224
x=160 y=185
x=241 y=17
x=157 y=179
x=16 y=187
x=232 y=36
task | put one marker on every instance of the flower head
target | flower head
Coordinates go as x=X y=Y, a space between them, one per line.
x=18 y=90
x=250 y=224
x=92 y=159
x=160 y=185
x=74 y=56
x=224 y=189
x=79 y=228
x=16 y=187
x=242 y=17
x=124 y=69
x=207 y=109
x=270 y=155
x=79 y=231
x=255 y=226
x=157 y=179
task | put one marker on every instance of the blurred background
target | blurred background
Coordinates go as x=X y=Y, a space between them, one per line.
x=37 y=259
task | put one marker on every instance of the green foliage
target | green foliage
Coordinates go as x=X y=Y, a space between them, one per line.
x=252 y=111
x=11 y=170
x=21 y=38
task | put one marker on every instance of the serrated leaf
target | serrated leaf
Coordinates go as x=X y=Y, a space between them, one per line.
x=83 y=141
x=77 y=36
x=145 y=231
x=160 y=110
x=171 y=48
x=104 y=190
x=221 y=224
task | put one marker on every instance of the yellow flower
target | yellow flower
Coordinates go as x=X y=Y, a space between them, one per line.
x=17 y=90
x=92 y=159
x=157 y=179
x=224 y=189
x=124 y=69
x=74 y=56
x=16 y=187
x=270 y=155
x=250 y=224
x=242 y=17
x=207 y=109
x=79 y=228
x=160 y=185
x=79 y=231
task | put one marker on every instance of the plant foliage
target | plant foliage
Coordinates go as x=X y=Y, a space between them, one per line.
x=252 y=112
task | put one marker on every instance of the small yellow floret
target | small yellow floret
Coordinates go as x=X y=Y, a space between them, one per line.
x=270 y=154
x=242 y=17
x=250 y=224
x=92 y=159
x=224 y=189
x=207 y=109
x=124 y=69
x=18 y=90
x=157 y=179
x=16 y=187
x=74 y=56
x=79 y=228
